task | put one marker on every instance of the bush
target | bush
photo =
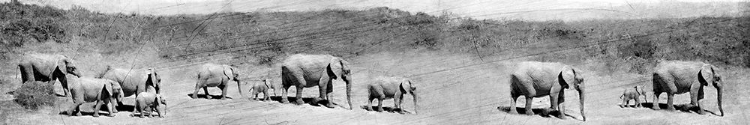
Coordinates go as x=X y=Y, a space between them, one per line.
x=33 y=95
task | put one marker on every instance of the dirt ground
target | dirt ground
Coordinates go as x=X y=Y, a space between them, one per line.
x=470 y=95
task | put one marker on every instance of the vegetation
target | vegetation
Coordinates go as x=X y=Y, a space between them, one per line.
x=267 y=36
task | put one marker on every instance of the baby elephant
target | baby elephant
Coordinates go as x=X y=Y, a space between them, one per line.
x=264 y=88
x=391 y=87
x=146 y=102
x=633 y=94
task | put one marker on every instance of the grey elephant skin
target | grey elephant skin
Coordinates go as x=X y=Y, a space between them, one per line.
x=47 y=68
x=678 y=77
x=133 y=81
x=216 y=75
x=147 y=102
x=86 y=89
x=634 y=94
x=537 y=79
x=391 y=88
x=261 y=87
x=306 y=70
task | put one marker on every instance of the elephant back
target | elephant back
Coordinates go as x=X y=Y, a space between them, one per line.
x=210 y=70
x=91 y=88
x=129 y=80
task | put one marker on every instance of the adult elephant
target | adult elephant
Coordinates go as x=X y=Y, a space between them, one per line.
x=47 y=68
x=304 y=71
x=215 y=75
x=677 y=77
x=133 y=81
x=537 y=79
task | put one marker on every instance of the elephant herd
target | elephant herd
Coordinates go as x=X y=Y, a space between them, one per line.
x=529 y=79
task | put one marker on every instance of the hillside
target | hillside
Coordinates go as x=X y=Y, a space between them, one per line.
x=453 y=57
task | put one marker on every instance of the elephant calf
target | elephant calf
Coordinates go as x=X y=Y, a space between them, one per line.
x=264 y=88
x=633 y=94
x=391 y=87
x=146 y=102
x=101 y=91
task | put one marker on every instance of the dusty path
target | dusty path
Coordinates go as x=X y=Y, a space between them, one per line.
x=469 y=95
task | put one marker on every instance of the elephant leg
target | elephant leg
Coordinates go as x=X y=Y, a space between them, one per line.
x=513 y=99
x=143 y=112
x=561 y=105
x=150 y=112
x=696 y=102
x=266 y=97
x=110 y=108
x=255 y=95
x=624 y=102
x=205 y=91
x=195 y=93
x=380 y=104
x=656 y=101
x=398 y=100
x=223 y=91
x=298 y=100
x=670 y=101
x=74 y=109
x=284 y=92
x=369 y=103
x=324 y=85
x=637 y=101
x=529 y=99
x=97 y=107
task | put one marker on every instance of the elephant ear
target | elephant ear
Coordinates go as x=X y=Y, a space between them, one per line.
x=706 y=74
x=108 y=90
x=406 y=86
x=566 y=77
x=335 y=68
x=229 y=72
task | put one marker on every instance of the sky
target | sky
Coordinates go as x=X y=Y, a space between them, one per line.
x=478 y=9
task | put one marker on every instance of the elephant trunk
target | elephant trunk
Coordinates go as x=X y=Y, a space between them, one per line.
x=239 y=87
x=582 y=97
x=416 y=106
x=348 y=91
x=719 y=92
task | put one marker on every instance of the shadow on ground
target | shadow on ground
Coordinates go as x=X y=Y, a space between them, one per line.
x=207 y=96
x=386 y=109
x=85 y=113
x=678 y=107
x=544 y=112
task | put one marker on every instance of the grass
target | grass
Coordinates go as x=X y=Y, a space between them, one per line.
x=269 y=36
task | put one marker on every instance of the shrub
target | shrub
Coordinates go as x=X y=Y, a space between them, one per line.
x=33 y=95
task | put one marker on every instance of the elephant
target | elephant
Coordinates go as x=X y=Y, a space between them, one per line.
x=634 y=94
x=678 y=77
x=133 y=81
x=391 y=87
x=215 y=75
x=536 y=79
x=87 y=89
x=307 y=70
x=48 y=68
x=146 y=102
x=264 y=88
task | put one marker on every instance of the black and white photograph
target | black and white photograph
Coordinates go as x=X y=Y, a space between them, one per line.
x=374 y=62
